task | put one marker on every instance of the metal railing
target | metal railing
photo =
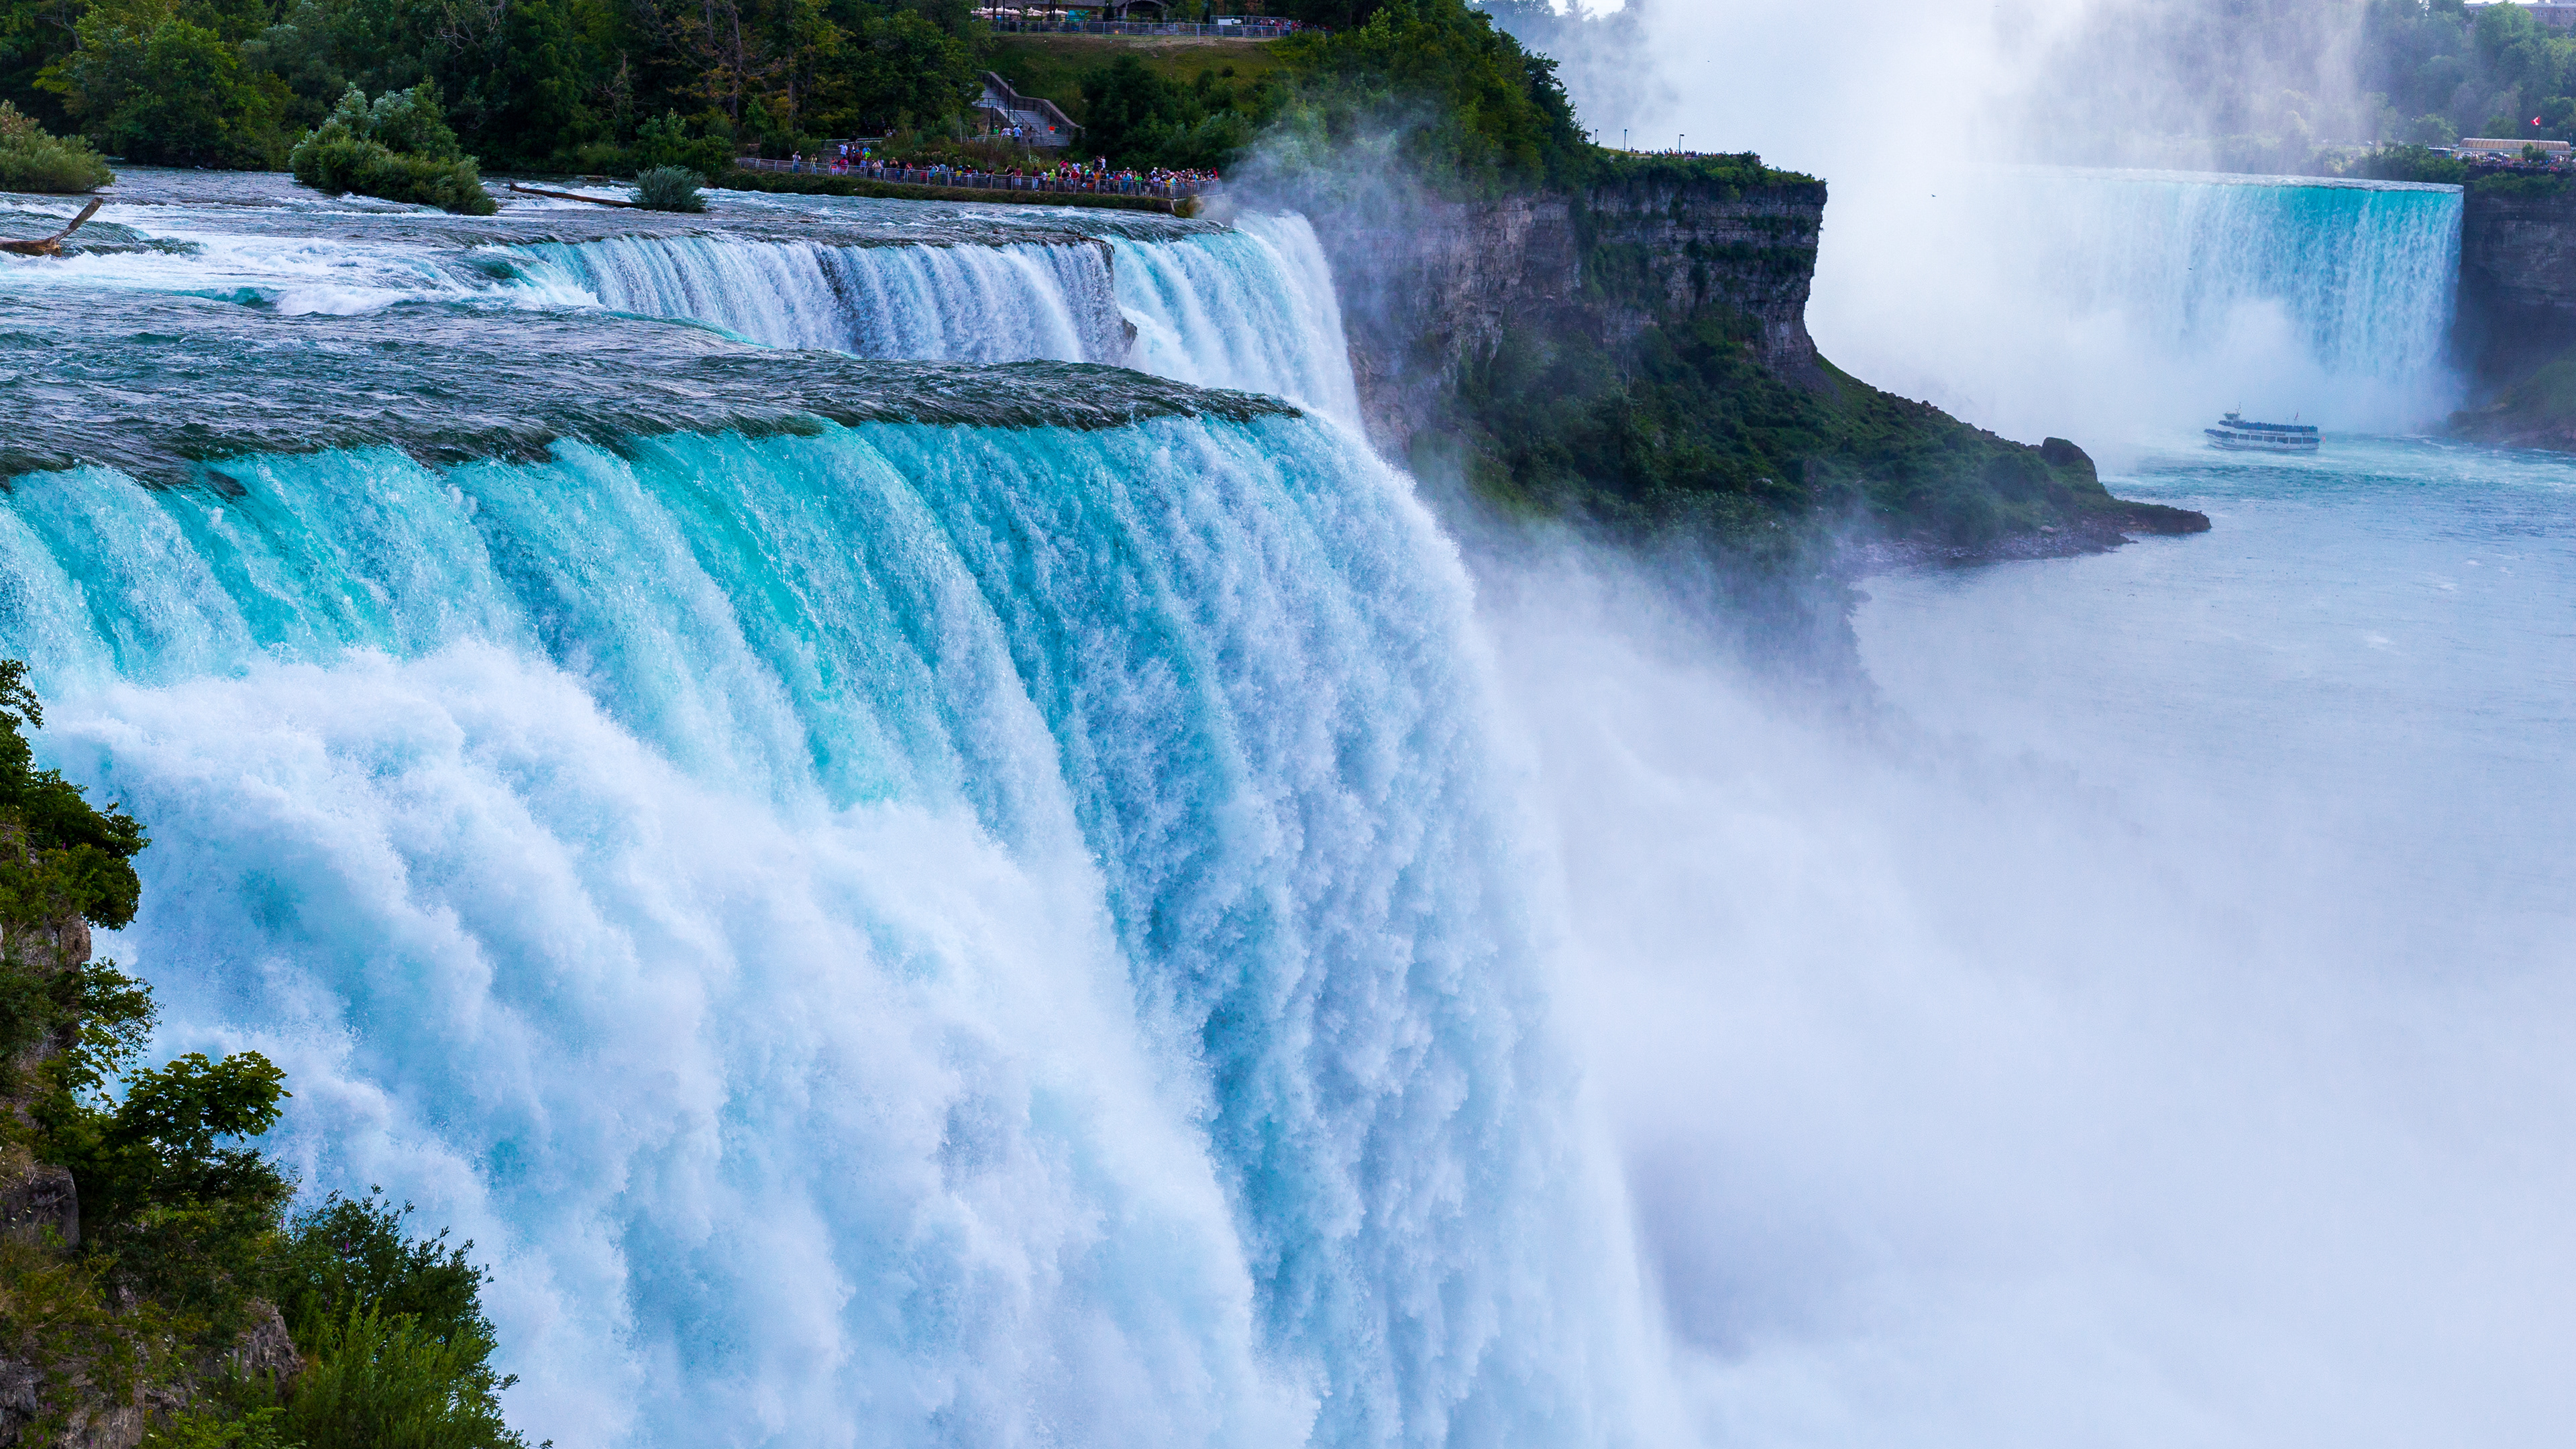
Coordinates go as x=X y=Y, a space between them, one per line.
x=1248 y=30
x=1081 y=185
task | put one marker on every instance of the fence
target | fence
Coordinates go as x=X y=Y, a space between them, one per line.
x=1248 y=30
x=986 y=180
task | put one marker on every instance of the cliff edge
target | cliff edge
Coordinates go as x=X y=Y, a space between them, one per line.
x=1633 y=352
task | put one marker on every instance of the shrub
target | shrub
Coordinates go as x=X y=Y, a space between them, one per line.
x=399 y=149
x=387 y=1382
x=210 y=1429
x=665 y=141
x=31 y=160
x=669 y=188
x=351 y=1255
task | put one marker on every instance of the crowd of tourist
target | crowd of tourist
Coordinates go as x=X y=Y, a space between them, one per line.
x=1096 y=176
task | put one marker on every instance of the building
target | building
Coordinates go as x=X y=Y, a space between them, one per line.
x=2553 y=13
x=2508 y=147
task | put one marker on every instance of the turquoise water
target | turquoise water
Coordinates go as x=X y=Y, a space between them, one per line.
x=897 y=817
x=949 y=899
x=2376 y=645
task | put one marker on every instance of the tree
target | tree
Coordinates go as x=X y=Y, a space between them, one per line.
x=152 y=86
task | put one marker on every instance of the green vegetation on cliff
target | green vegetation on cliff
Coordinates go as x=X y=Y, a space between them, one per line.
x=1684 y=430
x=184 y=1287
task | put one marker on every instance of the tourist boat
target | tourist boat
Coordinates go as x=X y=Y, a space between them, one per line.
x=2234 y=432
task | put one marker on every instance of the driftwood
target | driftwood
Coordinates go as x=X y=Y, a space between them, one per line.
x=566 y=195
x=51 y=246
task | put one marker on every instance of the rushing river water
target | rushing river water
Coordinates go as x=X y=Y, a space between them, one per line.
x=889 y=807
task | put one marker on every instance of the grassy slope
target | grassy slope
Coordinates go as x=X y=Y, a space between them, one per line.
x=1053 y=65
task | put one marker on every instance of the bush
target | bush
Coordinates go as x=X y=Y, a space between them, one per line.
x=210 y=1429
x=666 y=142
x=31 y=160
x=380 y=1382
x=399 y=149
x=669 y=188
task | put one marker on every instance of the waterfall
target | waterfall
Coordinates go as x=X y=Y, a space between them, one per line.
x=931 y=303
x=2131 y=303
x=904 y=935
x=1250 y=308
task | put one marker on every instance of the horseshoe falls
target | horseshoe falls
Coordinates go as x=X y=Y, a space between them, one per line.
x=950 y=902
x=2136 y=306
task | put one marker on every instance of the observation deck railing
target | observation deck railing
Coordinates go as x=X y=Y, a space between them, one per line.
x=1248 y=30
x=1169 y=190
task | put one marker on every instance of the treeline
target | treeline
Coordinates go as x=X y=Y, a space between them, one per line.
x=564 y=85
x=2290 y=85
x=622 y=85
x=1431 y=86
x=2442 y=70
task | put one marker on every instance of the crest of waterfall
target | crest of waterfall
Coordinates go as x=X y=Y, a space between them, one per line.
x=2129 y=303
x=1249 y=308
x=927 y=303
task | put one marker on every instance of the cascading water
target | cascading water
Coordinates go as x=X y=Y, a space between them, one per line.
x=956 y=304
x=2039 y=300
x=1253 y=310
x=1248 y=308
x=998 y=928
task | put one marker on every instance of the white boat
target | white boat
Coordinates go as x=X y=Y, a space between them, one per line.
x=2234 y=432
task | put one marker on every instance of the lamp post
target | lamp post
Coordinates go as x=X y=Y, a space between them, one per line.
x=1678 y=140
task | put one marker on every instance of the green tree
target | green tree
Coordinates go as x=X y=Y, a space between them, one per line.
x=400 y=149
x=152 y=85
x=1474 y=111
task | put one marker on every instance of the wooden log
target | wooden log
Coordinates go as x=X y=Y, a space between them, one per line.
x=566 y=195
x=51 y=246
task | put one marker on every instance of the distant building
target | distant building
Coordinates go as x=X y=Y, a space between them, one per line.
x=2555 y=15
x=2508 y=147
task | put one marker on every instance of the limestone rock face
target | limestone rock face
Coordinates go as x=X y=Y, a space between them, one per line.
x=2517 y=306
x=37 y=1199
x=1430 y=287
x=264 y=1348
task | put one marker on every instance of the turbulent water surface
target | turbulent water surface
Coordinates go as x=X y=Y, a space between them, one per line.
x=893 y=812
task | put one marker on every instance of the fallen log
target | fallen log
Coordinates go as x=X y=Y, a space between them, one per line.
x=51 y=246
x=566 y=195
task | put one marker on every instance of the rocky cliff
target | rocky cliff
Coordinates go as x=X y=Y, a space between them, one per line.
x=1431 y=288
x=1634 y=353
x=2517 y=308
